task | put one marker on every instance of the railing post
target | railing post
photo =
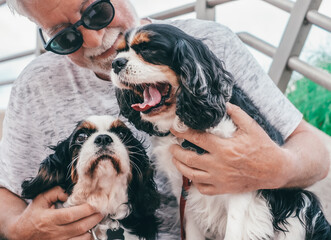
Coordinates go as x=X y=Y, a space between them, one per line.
x=203 y=11
x=292 y=42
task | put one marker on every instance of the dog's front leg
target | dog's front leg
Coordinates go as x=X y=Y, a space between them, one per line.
x=237 y=208
x=248 y=218
x=192 y=230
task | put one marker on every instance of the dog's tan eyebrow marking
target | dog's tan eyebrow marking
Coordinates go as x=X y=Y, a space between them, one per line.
x=117 y=123
x=140 y=37
x=122 y=45
x=87 y=125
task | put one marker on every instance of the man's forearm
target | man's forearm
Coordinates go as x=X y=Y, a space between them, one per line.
x=10 y=208
x=307 y=166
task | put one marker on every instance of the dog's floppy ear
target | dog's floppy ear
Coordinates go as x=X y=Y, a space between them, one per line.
x=53 y=171
x=205 y=85
x=142 y=191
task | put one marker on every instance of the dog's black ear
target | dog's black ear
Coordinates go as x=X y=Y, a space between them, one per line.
x=53 y=171
x=144 y=197
x=205 y=85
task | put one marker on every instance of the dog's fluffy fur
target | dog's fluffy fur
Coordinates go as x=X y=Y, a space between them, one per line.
x=166 y=79
x=103 y=164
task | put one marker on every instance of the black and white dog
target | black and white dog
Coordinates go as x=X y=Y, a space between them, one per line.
x=103 y=164
x=166 y=79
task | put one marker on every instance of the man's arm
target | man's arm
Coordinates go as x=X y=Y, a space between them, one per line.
x=309 y=155
x=40 y=220
x=250 y=160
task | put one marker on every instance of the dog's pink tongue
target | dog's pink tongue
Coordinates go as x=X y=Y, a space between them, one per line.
x=152 y=97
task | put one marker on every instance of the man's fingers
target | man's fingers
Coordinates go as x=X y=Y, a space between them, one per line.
x=82 y=226
x=48 y=198
x=193 y=174
x=203 y=140
x=190 y=158
x=205 y=189
x=72 y=214
x=85 y=236
x=242 y=120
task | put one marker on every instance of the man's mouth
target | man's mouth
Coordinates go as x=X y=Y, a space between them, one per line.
x=110 y=51
x=154 y=96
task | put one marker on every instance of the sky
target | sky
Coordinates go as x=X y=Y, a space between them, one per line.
x=257 y=17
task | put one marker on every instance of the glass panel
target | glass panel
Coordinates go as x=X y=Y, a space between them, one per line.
x=4 y=96
x=10 y=71
x=17 y=33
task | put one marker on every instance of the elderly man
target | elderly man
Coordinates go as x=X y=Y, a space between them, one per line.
x=55 y=91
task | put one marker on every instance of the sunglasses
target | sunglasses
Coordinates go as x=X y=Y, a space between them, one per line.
x=96 y=16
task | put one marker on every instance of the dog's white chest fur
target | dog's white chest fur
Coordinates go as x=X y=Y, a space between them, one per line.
x=228 y=216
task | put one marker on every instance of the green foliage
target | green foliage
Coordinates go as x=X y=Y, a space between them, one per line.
x=312 y=100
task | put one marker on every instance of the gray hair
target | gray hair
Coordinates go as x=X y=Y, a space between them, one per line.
x=17 y=6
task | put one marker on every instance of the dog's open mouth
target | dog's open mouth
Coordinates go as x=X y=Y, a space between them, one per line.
x=154 y=96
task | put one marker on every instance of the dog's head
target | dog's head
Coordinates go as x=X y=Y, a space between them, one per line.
x=163 y=73
x=101 y=163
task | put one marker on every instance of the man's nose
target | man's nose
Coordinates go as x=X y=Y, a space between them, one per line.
x=92 y=38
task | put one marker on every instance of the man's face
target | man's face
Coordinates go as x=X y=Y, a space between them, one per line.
x=98 y=49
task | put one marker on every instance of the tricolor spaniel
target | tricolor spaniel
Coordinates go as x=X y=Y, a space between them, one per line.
x=103 y=164
x=166 y=79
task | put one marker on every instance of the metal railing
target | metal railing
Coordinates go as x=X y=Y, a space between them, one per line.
x=285 y=57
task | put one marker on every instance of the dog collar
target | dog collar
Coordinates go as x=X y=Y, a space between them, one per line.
x=117 y=234
x=115 y=231
x=161 y=134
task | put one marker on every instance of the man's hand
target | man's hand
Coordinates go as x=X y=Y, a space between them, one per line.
x=40 y=220
x=248 y=161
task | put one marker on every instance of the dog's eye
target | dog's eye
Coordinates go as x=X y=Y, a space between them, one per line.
x=121 y=134
x=81 y=138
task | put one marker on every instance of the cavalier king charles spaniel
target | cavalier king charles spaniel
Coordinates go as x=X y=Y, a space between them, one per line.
x=103 y=164
x=168 y=79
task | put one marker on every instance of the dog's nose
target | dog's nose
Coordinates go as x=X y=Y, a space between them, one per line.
x=103 y=140
x=118 y=64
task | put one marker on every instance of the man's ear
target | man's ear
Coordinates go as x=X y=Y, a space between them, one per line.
x=205 y=85
x=53 y=171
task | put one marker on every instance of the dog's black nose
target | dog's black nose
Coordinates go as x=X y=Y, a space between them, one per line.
x=103 y=140
x=118 y=64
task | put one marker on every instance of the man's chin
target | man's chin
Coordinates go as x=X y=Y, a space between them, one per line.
x=102 y=70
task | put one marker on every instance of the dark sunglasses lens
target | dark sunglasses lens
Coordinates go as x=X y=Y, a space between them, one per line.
x=66 y=42
x=98 y=16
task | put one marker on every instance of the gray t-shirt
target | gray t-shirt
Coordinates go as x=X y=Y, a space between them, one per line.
x=52 y=94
